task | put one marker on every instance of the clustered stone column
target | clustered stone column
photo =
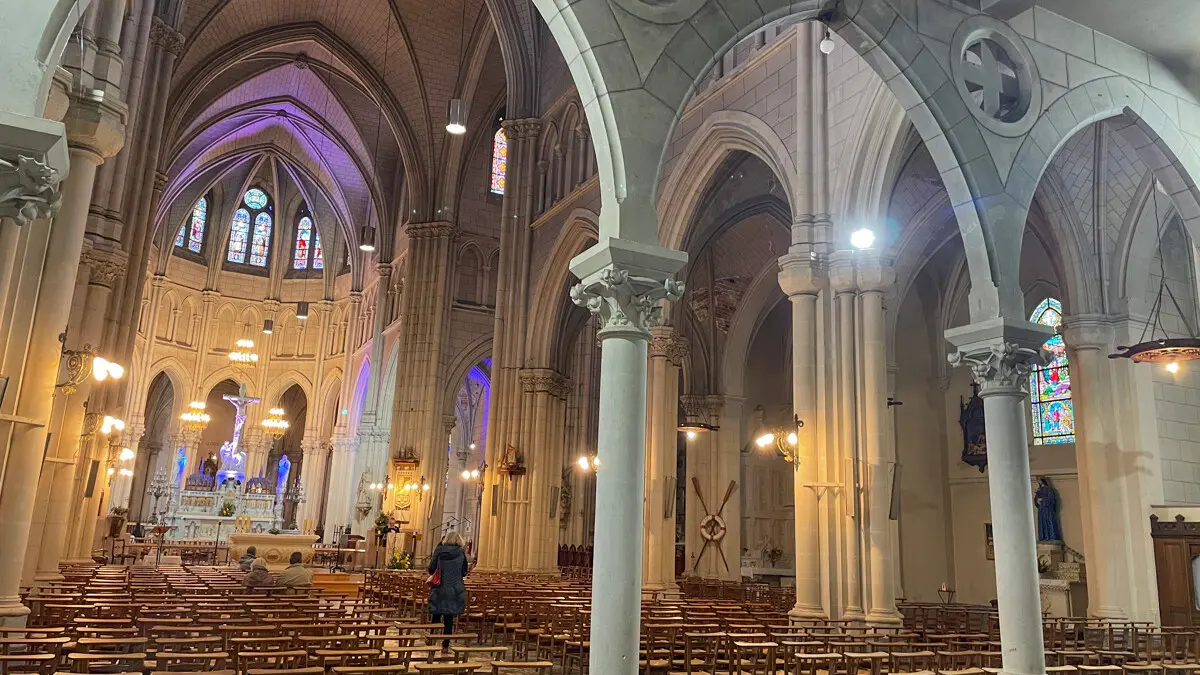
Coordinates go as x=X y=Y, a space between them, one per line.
x=667 y=351
x=873 y=277
x=845 y=287
x=999 y=354
x=534 y=546
x=425 y=309
x=803 y=282
x=1113 y=475
x=509 y=337
x=625 y=304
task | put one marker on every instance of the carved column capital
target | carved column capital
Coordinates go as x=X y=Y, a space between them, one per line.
x=437 y=229
x=164 y=36
x=801 y=274
x=626 y=305
x=842 y=278
x=874 y=274
x=1089 y=331
x=29 y=189
x=545 y=380
x=449 y=422
x=106 y=266
x=522 y=128
x=1000 y=353
x=666 y=343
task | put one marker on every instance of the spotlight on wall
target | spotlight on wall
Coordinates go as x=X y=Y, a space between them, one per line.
x=457 y=122
x=366 y=239
x=862 y=239
x=827 y=43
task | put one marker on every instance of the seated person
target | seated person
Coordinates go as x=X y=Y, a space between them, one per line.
x=296 y=573
x=258 y=577
x=247 y=560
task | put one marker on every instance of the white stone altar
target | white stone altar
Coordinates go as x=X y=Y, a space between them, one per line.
x=276 y=549
x=1062 y=580
x=197 y=513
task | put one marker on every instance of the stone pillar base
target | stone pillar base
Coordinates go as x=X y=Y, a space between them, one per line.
x=807 y=612
x=12 y=613
x=884 y=618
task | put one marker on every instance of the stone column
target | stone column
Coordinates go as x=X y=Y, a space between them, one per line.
x=844 y=285
x=341 y=491
x=667 y=351
x=94 y=132
x=62 y=480
x=316 y=453
x=1110 y=481
x=510 y=335
x=617 y=288
x=999 y=353
x=727 y=469
x=425 y=308
x=803 y=281
x=874 y=276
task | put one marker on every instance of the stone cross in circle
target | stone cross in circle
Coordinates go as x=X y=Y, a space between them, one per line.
x=990 y=78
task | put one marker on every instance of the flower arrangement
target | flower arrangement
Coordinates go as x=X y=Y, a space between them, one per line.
x=273 y=530
x=228 y=508
x=401 y=561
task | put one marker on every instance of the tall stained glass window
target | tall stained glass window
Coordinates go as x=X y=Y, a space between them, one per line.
x=318 y=256
x=300 y=252
x=250 y=234
x=262 y=240
x=239 y=237
x=499 y=161
x=1050 y=385
x=191 y=233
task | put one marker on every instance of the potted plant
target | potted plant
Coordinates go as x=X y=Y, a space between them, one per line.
x=273 y=530
x=382 y=527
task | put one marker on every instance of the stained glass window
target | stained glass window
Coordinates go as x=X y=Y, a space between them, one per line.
x=304 y=232
x=1050 y=385
x=192 y=232
x=239 y=236
x=255 y=198
x=499 y=161
x=318 y=254
x=262 y=240
x=199 y=220
x=251 y=245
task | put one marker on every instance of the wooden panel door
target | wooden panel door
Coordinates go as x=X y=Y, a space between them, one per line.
x=1176 y=599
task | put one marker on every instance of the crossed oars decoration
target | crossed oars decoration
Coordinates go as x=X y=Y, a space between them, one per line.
x=712 y=528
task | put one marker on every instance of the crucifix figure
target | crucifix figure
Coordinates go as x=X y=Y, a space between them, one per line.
x=233 y=459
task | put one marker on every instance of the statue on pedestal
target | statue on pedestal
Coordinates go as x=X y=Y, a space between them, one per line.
x=1049 y=527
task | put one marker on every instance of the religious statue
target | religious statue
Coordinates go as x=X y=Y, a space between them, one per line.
x=1049 y=527
x=209 y=467
x=970 y=418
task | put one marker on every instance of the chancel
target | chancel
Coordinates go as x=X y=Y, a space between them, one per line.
x=714 y=336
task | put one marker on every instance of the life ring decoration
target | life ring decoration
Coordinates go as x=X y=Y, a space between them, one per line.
x=712 y=528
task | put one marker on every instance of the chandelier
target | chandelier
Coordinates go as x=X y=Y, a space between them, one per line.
x=786 y=439
x=1167 y=350
x=244 y=354
x=195 y=419
x=275 y=425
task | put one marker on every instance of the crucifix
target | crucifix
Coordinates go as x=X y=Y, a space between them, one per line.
x=233 y=459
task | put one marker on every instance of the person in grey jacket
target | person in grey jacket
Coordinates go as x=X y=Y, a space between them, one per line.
x=449 y=599
x=258 y=577
x=296 y=573
x=247 y=559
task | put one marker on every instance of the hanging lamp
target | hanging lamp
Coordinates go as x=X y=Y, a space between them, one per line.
x=1167 y=350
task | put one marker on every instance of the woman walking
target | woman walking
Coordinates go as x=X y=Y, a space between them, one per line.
x=448 y=599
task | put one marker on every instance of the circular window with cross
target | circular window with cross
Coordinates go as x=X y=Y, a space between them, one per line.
x=993 y=80
x=995 y=76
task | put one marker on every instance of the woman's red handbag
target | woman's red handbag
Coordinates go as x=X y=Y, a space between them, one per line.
x=435 y=579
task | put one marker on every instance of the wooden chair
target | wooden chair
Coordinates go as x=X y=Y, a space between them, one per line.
x=286 y=671
x=467 y=653
x=523 y=667
x=753 y=658
x=201 y=661
x=465 y=668
x=274 y=660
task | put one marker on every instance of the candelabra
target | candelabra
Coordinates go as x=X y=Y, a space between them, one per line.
x=159 y=487
x=786 y=439
x=293 y=496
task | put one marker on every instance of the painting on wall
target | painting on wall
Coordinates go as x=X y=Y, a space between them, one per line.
x=989 y=546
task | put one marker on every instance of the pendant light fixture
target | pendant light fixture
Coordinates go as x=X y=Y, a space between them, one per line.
x=302 y=310
x=1167 y=350
x=366 y=239
x=456 y=122
x=268 y=326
